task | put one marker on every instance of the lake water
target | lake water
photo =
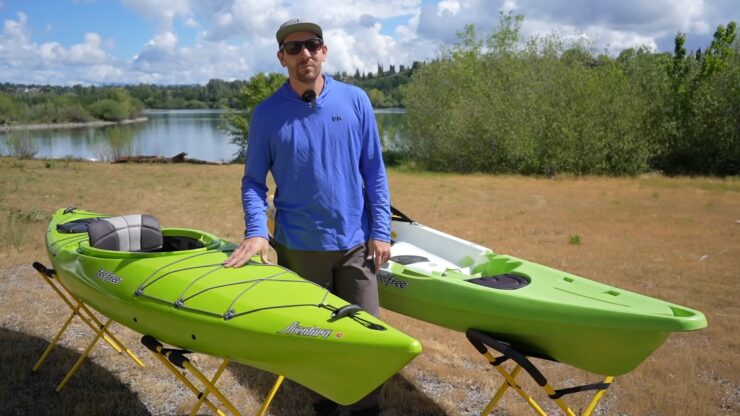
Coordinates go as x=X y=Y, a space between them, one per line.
x=199 y=133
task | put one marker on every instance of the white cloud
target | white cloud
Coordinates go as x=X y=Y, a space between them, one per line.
x=447 y=6
x=163 y=11
x=164 y=61
x=17 y=30
x=166 y=41
x=46 y=62
x=236 y=37
x=87 y=53
x=442 y=21
x=614 y=26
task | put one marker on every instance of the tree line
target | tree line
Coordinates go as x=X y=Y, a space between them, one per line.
x=25 y=104
x=32 y=104
x=546 y=106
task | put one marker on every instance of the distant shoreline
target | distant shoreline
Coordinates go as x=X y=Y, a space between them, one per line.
x=100 y=123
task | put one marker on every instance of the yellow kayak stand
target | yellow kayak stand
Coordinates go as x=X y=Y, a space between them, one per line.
x=484 y=343
x=176 y=358
x=171 y=358
x=87 y=316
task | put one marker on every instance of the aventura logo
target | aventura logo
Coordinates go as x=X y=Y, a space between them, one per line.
x=108 y=277
x=307 y=331
x=388 y=279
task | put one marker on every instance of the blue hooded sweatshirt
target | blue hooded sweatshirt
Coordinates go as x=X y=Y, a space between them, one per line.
x=325 y=156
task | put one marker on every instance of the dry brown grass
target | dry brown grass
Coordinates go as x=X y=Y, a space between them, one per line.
x=673 y=238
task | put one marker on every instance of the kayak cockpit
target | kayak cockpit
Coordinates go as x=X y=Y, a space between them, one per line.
x=135 y=236
x=174 y=240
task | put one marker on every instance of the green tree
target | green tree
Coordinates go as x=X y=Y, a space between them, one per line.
x=703 y=134
x=8 y=109
x=257 y=89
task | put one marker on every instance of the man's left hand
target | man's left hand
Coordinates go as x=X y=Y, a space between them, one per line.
x=379 y=252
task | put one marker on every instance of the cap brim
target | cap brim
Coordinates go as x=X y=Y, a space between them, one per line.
x=298 y=27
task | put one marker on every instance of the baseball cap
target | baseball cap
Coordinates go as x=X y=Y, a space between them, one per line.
x=297 y=25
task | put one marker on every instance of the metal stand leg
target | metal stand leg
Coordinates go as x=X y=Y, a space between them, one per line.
x=482 y=342
x=86 y=315
x=174 y=358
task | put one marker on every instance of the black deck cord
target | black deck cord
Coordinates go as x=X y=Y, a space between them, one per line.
x=400 y=216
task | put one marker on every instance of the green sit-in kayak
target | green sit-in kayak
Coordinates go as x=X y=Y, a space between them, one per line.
x=171 y=284
x=542 y=311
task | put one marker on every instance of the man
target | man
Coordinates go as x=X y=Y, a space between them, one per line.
x=318 y=137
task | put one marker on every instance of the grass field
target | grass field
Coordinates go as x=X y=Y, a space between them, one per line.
x=672 y=238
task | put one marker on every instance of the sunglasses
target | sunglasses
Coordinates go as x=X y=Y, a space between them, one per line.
x=295 y=47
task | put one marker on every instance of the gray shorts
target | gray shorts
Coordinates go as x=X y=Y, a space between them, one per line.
x=347 y=274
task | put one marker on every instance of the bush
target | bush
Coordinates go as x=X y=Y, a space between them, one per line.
x=548 y=106
x=109 y=110
x=75 y=113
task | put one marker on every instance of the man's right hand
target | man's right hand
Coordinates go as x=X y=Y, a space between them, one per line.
x=248 y=248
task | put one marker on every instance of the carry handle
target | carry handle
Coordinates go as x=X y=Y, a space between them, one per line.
x=344 y=311
x=351 y=312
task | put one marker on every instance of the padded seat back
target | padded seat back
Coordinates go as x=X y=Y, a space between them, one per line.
x=126 y=233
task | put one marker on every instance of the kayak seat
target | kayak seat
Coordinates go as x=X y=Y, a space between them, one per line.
x=503 y=281
x=126 y=233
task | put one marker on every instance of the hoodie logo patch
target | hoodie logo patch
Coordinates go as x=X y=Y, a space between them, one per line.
x=336 y=118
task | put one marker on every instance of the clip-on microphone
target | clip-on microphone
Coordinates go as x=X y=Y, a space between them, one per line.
x=310 y=97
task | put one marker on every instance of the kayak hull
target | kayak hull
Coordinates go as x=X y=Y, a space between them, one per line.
x=260 y=315
x=551 y=314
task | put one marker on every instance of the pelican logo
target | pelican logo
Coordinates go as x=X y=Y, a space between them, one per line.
x=388 y=279
x=307 y=331
x=108 y=277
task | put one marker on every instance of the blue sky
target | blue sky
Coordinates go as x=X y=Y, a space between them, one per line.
x=66 y=42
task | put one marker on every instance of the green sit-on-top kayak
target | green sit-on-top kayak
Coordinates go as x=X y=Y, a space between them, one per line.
x=170 y=284
x=543 y=312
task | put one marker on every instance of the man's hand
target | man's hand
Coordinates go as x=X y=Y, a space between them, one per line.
x=248 y=248
x=379 y=252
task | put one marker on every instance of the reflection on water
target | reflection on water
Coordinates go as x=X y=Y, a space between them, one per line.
x=392 y=129
x=199 y=133
x=119 y=142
